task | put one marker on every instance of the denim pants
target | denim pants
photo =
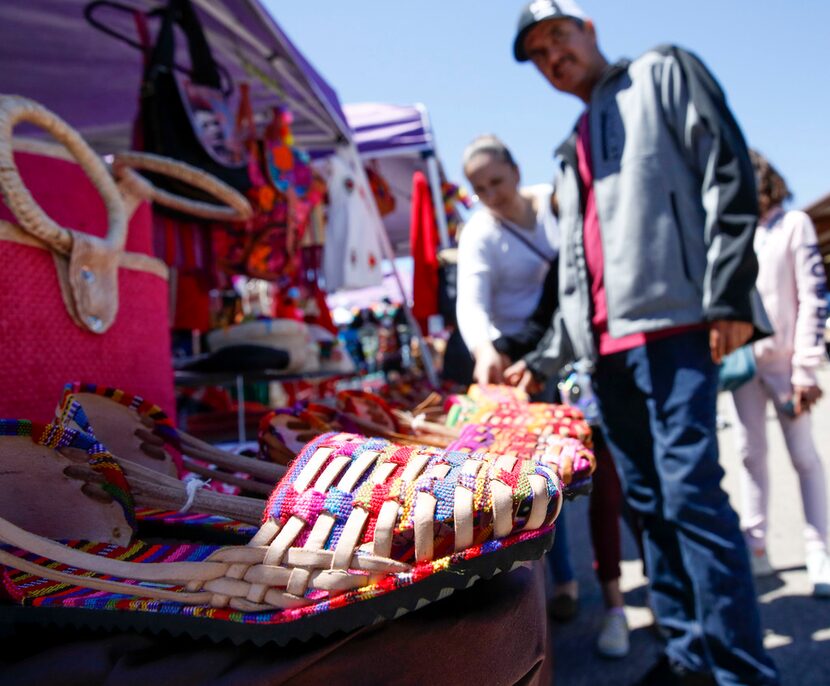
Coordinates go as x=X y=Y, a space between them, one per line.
x=658 y=405
x=559 y=557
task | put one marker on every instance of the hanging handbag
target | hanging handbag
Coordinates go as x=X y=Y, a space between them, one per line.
x=87 y=302
x=187 y=116
x=737 y=368
x=81 y=303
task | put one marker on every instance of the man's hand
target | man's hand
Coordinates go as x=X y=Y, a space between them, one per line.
x=804 y=397
x=726 y=336
x=520 y=376
x=489 y=365
x=514 y=373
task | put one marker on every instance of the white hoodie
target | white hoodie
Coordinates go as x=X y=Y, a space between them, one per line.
x=792 y=284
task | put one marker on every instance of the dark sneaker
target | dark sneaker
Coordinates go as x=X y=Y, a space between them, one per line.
x=664 y=673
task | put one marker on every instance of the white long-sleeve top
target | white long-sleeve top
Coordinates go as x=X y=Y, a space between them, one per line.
x=499 y=278
x=792 y=285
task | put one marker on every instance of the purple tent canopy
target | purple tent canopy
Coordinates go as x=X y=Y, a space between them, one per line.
x=397 y=140
x=381 y=129
x=51 y=54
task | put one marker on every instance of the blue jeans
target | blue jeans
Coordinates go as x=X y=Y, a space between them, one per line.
x=658 y=404
x=559 y=556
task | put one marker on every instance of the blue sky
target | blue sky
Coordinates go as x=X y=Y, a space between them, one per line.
x=772 y=58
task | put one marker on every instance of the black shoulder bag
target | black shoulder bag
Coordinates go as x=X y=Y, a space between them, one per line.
x=187 y=116
x=527 y=243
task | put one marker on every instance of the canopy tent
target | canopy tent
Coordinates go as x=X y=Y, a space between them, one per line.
x=399 y=140
x=52 y=54
x=381 y=130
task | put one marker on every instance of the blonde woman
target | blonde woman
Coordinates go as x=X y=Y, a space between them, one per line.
x=504 y=254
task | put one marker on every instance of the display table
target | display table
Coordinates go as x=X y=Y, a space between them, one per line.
x=493 y=633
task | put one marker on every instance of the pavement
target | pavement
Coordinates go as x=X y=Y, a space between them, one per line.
x=796 y=625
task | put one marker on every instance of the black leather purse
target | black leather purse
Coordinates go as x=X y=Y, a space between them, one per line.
x=186 y=116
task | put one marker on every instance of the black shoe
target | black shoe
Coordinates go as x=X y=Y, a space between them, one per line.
x=563 y=607
x=663 y=673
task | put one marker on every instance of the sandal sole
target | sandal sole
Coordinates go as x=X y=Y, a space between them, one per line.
x=361 y=614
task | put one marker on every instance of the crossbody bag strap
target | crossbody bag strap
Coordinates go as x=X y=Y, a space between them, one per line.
x=526 y=241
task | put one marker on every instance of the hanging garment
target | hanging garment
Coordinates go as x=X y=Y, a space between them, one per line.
x=423 y=236
x=352 y=253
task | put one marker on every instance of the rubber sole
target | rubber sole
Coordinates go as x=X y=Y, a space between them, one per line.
x=362 y=613
x=579 y=488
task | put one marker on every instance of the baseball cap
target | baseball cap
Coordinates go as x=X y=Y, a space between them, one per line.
x=542 y=10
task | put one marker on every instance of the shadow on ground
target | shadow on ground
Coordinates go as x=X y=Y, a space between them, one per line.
x=796 y=625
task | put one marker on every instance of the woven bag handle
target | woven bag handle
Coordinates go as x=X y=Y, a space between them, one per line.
x=15 y=109
x=235 y=209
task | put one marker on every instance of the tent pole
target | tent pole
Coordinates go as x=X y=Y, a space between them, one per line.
x=434 y=176
x=389 y=254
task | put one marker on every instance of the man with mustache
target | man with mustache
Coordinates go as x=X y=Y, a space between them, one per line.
x=657 y=212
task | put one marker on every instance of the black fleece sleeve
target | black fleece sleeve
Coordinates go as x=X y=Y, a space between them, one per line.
x=518 y=345
x=705 y=128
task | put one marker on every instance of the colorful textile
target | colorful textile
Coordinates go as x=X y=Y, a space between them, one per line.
x=195 y=521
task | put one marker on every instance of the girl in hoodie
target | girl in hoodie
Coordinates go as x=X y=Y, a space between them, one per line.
x=792 y=285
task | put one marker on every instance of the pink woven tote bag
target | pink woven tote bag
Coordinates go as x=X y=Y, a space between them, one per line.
x=41 y=346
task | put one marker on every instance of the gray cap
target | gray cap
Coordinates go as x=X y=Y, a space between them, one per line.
x=539 y=11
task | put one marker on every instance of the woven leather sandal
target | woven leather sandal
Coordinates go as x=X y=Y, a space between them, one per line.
x=372 y=415
x=358 y=531
x=50 y=471
x=501 y=419
x=135 y=429
x=283 y=432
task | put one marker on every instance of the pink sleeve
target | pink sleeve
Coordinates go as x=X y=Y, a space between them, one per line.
x=811 y=282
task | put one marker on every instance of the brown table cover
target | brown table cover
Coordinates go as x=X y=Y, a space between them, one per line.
x=493 y=633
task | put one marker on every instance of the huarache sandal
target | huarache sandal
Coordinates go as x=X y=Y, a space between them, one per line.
x=135 y=429
x=499 y=419
x=359 y=530
x=36 y=460
x=283 y=432
x=507 y=424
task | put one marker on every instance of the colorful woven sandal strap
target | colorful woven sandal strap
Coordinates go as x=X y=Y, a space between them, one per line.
x=143 y=407
x=57 y=436
x=16 y=427
x=188 y=452
x=132 y=484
